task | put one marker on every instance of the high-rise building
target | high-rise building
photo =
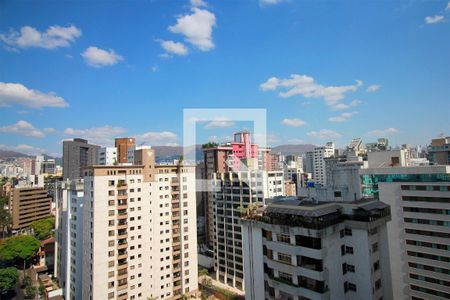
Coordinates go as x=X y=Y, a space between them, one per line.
x=235 y=156
x=123 y=145
x=107 y=156
x=139 y=231
x=301 y=249
x=69 y=238
x=419 y=234
x=28 y=204
x=308 y=162
x=77 y=154
x=48 y=166
x=439 y=151
x=319 y=155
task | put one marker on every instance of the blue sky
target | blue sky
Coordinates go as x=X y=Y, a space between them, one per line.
x=324 y=70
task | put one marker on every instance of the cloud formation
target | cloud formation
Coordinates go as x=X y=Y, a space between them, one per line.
x=344 y=106
x=324 y=134
x=18 y=94
x=196 y=28
x=98 y=58
x=434 y=19
x=154 y=138
x=174 y=47
x=219 y=122
x=269 y=2
x=26 y=149
x=103 y=135
x=293 y=122
x=342 y=117
x=373 y=88
x=54 y=37
x=23 y=128
x=306 y=86
x=382 y=132
x=198 y=3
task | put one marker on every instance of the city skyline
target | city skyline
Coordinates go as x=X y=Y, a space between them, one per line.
x=323 y=71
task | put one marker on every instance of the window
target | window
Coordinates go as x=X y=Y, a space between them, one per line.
x=378 y=284
x=348 y=231
x=283 y=238
x=374 y=247
x=376 y=265
x=284 y=258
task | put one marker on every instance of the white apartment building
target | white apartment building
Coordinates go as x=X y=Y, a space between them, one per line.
x=419 y=233
x=233 y=193
x=275 y=183
x=139 y=231
x=69 y=238
x=107 y=156
x=319 y=168
x=296 y=249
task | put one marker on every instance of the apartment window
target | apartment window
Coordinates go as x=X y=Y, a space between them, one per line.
x=348 y=250
x=348 y=231
x=376 y=265
x=378 y=284
x=284 y=258
x=285 y=276
x=111 y=193
x=283 y=238
x=374 y=247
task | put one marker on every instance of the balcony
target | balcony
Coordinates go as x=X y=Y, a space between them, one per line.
x=122 y=185
x=123 y=296
x=122 y=214
x=122 y=284
x=122 y=224
x=122 y=234
x=122 y=254
x=122 y=274
x=122 y=244
x=122 y=266
x=122 y=195
x=122 y=204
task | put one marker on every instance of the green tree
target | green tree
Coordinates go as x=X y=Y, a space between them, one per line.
x=8 y=278
x=43 y=228
x=5 y=220
x=30 y=292
x=19 y=248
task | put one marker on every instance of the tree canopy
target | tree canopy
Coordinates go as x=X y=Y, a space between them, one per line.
x=21 y=247
x=210 y=145
x=43 y=228
x=8 y=278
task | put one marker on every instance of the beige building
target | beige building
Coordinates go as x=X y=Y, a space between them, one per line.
x=139 y=237
x=28 y=204
x=123 y=145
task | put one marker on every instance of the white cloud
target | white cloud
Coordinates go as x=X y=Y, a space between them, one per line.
x=198 y=3
x=219 y=122
x=49 y=130
x=103 y=135
x=269 y=2
x=342 y=117
x=98 y=58
x=373 y=88
x=448 y=6
x=296 y=141
x=23 y=128
x=196 y=28
x=153 y=138
x=307 y=87
x=344 y=106
x=154 y=68
x=293 y=122
x=18 y=94
x=434 y=19
x=55 y=37
x=382 y=132
x=324 y=134
x=174 y=47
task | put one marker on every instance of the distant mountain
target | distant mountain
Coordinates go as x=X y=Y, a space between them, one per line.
x=174 y=152
x=8 y=154
x=293 y=149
